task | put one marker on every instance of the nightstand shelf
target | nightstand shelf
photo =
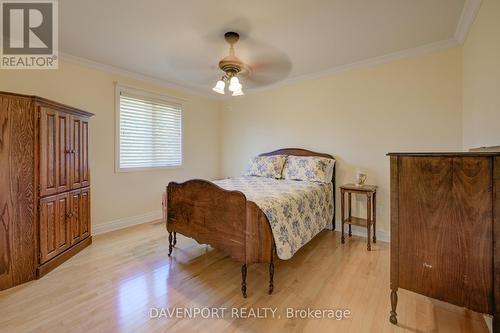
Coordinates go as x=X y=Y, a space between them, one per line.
x=357 y=221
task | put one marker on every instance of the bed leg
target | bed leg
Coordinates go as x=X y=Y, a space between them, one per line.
x=175 y=239
x=244 y=280
x=271 y=270
x=170 y=244
x=334 y=207
x=394 y=303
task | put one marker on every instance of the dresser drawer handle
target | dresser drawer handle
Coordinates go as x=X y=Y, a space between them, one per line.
x=426 y=265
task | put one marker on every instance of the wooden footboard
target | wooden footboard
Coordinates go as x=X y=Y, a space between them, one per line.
x=225 y=220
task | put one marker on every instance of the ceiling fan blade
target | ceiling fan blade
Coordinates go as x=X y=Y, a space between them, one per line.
x=203 y=72
x=270 y=70
x=256 y=81
x=281 y=68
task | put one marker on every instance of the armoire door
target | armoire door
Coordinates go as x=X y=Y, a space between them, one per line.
x=55 y=151
x=63 y=152
x=75 y=212
x=444 y=227
x=76 y=148
x=85 y=213
x=80 y=214
x=54 y=226
x=49 y=151
x=85 y=169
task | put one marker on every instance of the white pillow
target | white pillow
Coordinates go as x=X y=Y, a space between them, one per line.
x=266 y=166
x=310 y=168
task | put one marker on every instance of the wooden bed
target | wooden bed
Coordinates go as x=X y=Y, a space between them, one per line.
x=225 y=220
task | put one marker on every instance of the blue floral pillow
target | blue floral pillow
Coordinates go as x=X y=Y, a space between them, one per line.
x=311 y=168
x=266 y=166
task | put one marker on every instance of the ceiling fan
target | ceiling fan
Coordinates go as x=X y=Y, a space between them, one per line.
x=232 y=66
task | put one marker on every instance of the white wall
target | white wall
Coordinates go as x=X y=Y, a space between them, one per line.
x=358 y=116
x=481 y=79
x=117 y=196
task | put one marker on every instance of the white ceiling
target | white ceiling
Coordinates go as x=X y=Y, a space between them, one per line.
x=182 y=41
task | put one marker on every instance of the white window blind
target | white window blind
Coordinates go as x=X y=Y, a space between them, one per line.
x=150 y=133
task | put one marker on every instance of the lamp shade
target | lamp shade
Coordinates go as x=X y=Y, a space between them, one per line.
x=235 y=87
x=234 y=80
x=219 y=87
x=234 y=84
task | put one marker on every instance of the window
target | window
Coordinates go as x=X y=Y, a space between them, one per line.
x=149 y=129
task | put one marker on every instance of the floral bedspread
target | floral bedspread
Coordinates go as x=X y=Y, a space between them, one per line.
x=297 y=210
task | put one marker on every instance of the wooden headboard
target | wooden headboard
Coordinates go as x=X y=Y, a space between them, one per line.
x=296 y=152
x=305 y=152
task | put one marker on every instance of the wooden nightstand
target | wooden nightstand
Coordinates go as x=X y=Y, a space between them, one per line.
x=370 y=191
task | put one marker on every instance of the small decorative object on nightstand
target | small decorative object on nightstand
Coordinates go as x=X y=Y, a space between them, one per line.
x=370 y=191
x=360 y=178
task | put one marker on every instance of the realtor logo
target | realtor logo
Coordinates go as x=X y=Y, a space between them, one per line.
x=29 y=34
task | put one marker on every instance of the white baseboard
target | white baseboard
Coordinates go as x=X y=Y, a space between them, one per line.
x=382 y=235
x=126 y=222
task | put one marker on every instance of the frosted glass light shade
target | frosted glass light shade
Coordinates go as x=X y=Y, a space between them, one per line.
x=235 y=87
x=234 y=80
x=234 y=84
x=219 y=87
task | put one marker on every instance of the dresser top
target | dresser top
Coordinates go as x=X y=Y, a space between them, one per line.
x=447 y=154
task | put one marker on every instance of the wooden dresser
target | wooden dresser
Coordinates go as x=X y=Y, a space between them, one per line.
x=45 y=186
x=445 y=229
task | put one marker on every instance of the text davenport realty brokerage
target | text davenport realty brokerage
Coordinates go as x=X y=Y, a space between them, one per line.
x=247 y=313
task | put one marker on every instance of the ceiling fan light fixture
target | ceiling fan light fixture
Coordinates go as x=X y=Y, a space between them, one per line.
x=219 y=87
x=232 y=66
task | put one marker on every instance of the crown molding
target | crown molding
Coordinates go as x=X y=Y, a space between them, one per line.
x=65 y=57
x=469 y=13
x=363 y=64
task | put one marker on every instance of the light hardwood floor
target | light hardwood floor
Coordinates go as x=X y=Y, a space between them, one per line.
x=111 y=286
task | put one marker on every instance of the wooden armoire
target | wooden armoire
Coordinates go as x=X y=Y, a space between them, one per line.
x=44 y=186
x=445 y=229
